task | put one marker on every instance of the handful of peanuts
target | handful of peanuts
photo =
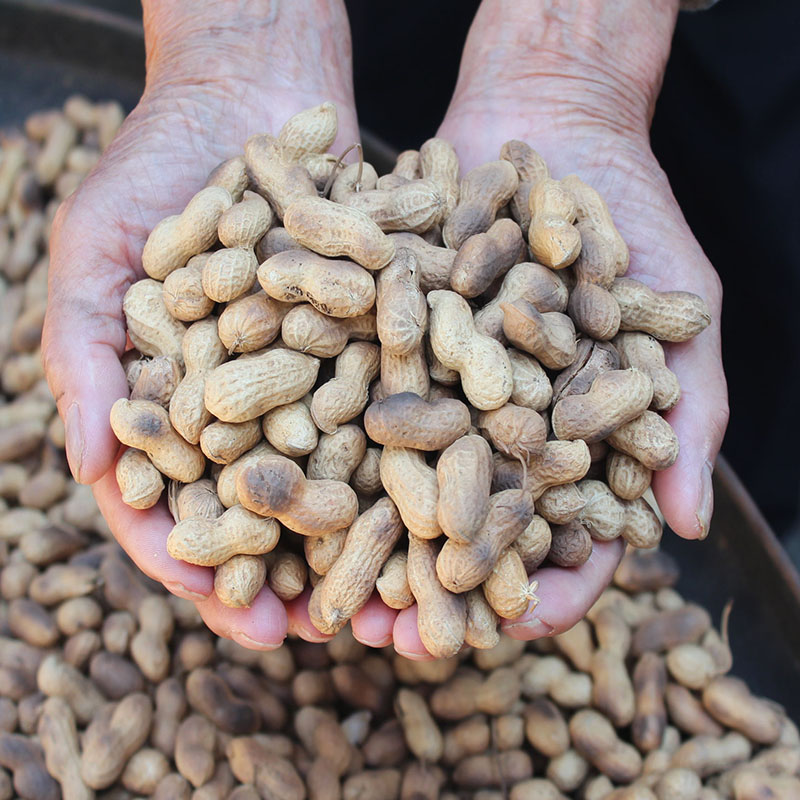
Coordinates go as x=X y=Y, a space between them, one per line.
x=112 y=688
x=386 y=373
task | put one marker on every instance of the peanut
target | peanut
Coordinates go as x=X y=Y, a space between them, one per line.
x=515 y=431
x=649 y=439
x=434 y=264
x=152 y=329
x=224 y=442
x=554 y=240
x=139 y=481
x=506 y=587
x=238 y=580
x=251 y=322
x=550 y=337
x=290 y=429
x=184 y=297
x=413 y=486
x=308 y=330
x=415 y=206
x=438 y=163
x=594 y=737
x=643 y=352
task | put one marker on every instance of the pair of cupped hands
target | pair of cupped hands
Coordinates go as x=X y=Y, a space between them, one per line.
x=578 y=85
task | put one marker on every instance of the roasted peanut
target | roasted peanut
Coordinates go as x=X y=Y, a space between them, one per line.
x=549 y=336
x=308 y=330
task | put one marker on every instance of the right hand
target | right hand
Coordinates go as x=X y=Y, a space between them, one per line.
x=206 y=93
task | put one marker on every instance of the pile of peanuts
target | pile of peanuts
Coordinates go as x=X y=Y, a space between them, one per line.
x=112 y=688
x=508 y=414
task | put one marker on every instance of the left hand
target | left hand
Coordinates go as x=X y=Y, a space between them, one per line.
x=579 y=86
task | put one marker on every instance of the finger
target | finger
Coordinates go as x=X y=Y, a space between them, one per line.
x=143 y=536
x=82 y=341
x=263 y=626
x=565 y=595
x=300 y=623
x=406 y=636
x=373 y=624
x=684 y=491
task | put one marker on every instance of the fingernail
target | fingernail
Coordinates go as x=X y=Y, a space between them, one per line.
x=178 y=589
x=377 y=643
x=412 y=656
x=74 y=440
x=534 y=628
x=253 y=644
x=706 y=507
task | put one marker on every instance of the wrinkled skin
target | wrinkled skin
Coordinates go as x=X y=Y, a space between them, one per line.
x=579 y=85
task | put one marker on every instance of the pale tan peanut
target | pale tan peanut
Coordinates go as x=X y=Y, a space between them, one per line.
x=13 y=161
x=198 y=499
x=421 y=732
x=226 y=480
x=224 y=442
x=485 y=257
x=275 y=486
x=549 y=336
x=275 y=240
x=595 y=739
x=152 y=329
x=21 y=440
x=667 y=629
x=59 y=739
x=184 y=297
x=577 y=644
x=501 y=769
x=245 y=222
x=415 y=206
x=392 y=583
x=442 y=615
x=481 y=361
x=612 y=692
x=139 y=481
x=691 y=665
x=194 y=749
x=533 y=544
x=570 y=546
x=532 y=388
x=649 y=439
x=308 y=330
x=614 y=398
x=516 y=431
x=434 y=264
x=406 y=420
x=413 y=486
x=628 y=478
x=202 y=352
x=242 y=390
x=321 y=552
x=312 y=130
x=668 y=316
x=335 y=287
x=402 y=313
x=351 y=580
x=407 y=165
x=561 y=463
x=438 y=163
x=708 y=755
x=463 y=566
x=334 y=230
x=507 y=589
x=603 y=514
x=145 y=426
x=23 y=249
x=541 y=287
x=591 y=305
x=642 y=526
x=290 y=429
x=464 y=477
x=280 y=181
x=545 y=728
x=113 y=737
x=354 y=178
x=251 y=322
x=337 y=455
x=531 y=169
x=560 y=504
x=729 y=701
x=229 y=273
x=439 y=373
x=752 y=784
x=645 y=353
x=482 y=622
x=483 y=191
x=678 y=784
x=344 y=396
x=239 y=579
x=144 y=771
x=567 y=771
x=230 y=174
x=157 y=380
x=177 y=238
x=21 y=372
x=56 y=678
x=553 y=239
x=60 y=139
x=211 y=542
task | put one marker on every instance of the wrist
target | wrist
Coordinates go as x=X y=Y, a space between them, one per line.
x=589 y=62
x=249 y=50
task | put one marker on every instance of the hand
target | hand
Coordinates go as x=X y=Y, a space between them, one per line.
x=205 y=94
x=578 y=83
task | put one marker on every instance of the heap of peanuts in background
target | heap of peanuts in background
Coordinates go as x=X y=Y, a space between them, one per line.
x=112 y=688
x=246 y=394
